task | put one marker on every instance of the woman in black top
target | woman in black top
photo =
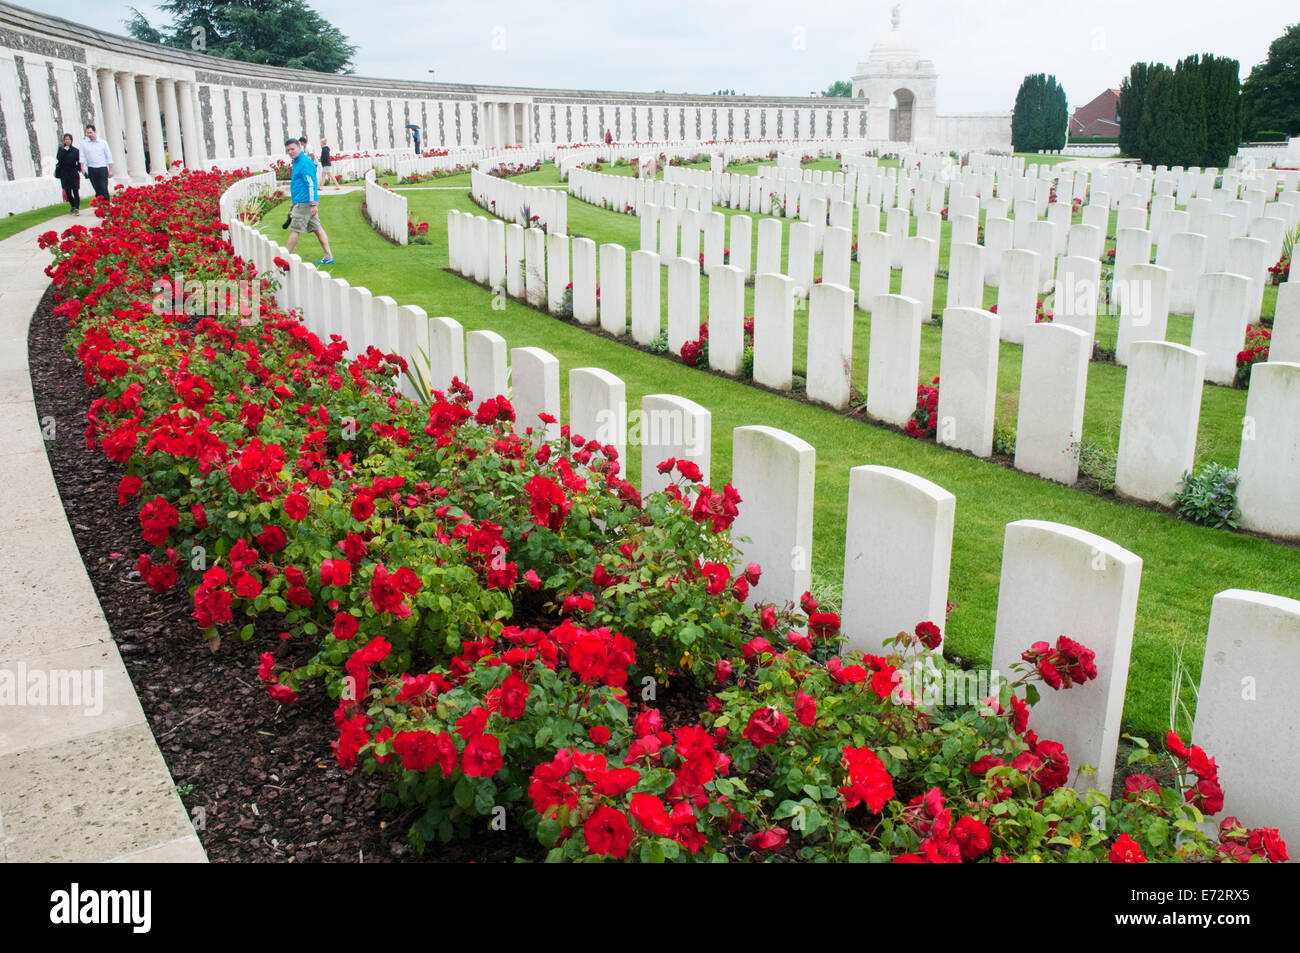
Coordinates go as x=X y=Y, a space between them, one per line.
x=325 y=162
x=67 y=171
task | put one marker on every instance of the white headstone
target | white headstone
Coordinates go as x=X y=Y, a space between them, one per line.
x=897 y=553
x=830 y=344
x=1219 y=324
x=671 y=427
x=773 y=472
x=1162 y=410
x=1269 y=465
x=968 y=380
x=446 y=352
x=598 y=408
x=683 y=303
x=584 y=281
x=1245 y=707
x=1017 y=293
x=535 y=380
x=1058 y=580
x=613 y=289
x=1143 y=305
x=485 y=365
x=894 y=358
x=773 y=330
x=647 y=316
x=1053 y=378
x=726 y=318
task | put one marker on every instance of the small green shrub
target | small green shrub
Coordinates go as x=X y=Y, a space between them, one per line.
x=1004 y=441
x=1209 y=496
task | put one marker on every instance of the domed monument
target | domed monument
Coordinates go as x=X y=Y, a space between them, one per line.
x=900 y=87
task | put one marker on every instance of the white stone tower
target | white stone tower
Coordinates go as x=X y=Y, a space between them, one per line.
x=900 y=87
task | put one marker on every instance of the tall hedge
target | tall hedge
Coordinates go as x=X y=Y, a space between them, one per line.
x=1040 y=116
x=1189 y=115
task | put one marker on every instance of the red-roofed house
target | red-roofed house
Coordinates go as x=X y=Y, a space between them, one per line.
x=1098 y=118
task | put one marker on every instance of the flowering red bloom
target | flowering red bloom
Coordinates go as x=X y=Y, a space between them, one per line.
x=972 y=837
x=607 y=832
x=805 y=709
x=869 y=780
x=482 y=756
x=296 y=506
x=765 y=726
x=1126 y=850
x=514 y=696
x=771 y=839
x=929 y=635
x=385 y=596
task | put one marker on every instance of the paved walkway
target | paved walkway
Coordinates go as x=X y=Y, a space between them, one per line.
x=83 y=781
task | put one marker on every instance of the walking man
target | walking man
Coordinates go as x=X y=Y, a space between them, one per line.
x=304 y=191
x=96 y=162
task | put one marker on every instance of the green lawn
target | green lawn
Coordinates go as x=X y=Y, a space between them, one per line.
x=13 y=224
x=1184 y=564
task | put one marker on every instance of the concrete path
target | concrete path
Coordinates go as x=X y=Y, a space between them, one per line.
x=81 y=776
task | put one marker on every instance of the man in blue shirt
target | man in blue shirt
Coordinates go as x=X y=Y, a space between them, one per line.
x=96 y=162
x=304 y=191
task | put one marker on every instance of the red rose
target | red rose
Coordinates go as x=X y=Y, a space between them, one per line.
x=929 y=635
x=765 y=726
x=757 y=647
x=1265 y=840
x=1135 y=784
x=598 y=734
x=272 y=539
x=335 y=572
x=482 y=757
x=345 y=626
x=648 y=811
x=972 y=837
x=805 y=709
x=514 y=696
x=722 y=671
x=772 y=839
x=1126 y=851
x=607 y=832
x=296 y=506
x=418 y=749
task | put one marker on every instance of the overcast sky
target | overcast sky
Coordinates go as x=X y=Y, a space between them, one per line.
x=982 y=49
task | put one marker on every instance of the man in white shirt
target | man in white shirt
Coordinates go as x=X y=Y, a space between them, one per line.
x=96 y=162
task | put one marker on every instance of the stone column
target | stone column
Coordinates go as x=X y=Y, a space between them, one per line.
x=190 y=143
x=131 y=130
x=153 y=124
x=171 y=120
x=110 y=127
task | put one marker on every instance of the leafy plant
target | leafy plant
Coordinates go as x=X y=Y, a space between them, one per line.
x=1209 y=496
x=1004 y=440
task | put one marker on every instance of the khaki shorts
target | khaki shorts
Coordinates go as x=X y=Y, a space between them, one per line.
x=301 y=219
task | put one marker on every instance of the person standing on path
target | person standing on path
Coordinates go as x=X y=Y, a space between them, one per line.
x=304 y=191
x=325 y=162
x=96 y=162
x=67 y=169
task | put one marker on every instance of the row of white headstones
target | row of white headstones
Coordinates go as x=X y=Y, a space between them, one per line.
x=1055 y=579
x=1162 y=404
